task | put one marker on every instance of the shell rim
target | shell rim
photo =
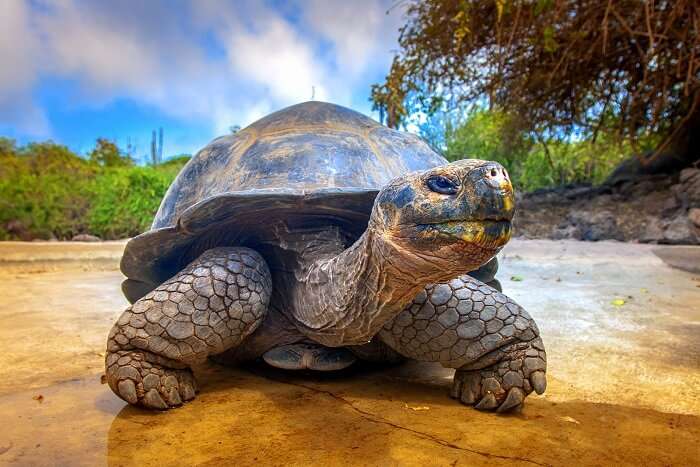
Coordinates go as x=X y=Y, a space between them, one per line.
x=143 y=255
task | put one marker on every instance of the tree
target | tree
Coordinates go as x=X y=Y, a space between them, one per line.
x=626 y=67
x=107 y=154
x=485 y=135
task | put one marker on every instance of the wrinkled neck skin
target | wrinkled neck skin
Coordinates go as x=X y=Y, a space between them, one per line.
x=346 y=299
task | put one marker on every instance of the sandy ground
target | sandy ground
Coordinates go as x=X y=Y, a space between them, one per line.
x=624 y=381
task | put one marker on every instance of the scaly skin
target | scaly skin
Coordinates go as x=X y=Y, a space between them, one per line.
x=207 y=308
x=425 y=228
x=491 y=341
x=415 y=236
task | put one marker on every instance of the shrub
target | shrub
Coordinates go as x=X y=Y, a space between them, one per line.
x=47 y=191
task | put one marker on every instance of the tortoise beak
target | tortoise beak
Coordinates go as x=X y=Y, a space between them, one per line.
x=485 y=233
x=493 y=192
x=484 y=214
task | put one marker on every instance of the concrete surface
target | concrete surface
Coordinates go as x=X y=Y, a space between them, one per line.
x=623 y=379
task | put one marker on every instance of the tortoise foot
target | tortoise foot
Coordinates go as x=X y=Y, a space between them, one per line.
x=309 y=357
x=139 y=379
x=503 y=386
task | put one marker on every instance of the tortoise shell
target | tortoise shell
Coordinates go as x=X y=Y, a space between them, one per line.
x=311 y=163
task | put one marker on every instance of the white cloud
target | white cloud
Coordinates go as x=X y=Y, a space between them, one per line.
x=359 y=30
x=277 y=59
x=261 y=60
x=19 y=69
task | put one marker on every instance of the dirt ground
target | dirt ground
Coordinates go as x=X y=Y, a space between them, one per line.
x=623 y=379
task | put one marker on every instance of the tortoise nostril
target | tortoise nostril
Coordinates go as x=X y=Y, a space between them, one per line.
x=494 y=172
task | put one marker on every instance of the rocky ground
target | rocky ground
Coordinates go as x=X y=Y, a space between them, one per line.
x=652 y=209
x=622 y=332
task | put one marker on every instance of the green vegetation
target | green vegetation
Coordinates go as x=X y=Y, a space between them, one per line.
x=532 y=159
x=579 y=76
x=47 y=191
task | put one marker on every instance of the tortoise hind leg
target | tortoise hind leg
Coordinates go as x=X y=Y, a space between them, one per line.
x=207 y=308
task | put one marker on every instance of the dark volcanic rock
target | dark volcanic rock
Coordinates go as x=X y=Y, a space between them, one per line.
x=688 y=188
x=680 y=231
x=566 y=232
x=648 y=208
x=596 y=226
x=694 y=217
x=654 y=231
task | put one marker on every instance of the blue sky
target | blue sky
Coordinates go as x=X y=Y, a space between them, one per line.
x=73 y=70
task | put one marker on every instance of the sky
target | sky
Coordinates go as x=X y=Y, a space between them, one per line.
x=72 y=70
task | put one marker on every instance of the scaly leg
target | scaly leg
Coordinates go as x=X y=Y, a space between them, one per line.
x=490 y=340
x=207 y=308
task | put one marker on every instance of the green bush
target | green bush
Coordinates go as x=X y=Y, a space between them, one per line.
x=46 y=191
x=126 y=199
x=534 y=161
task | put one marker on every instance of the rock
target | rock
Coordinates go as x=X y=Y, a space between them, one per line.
x=688 y=191
x=654 y=231
x=86 y=238
x=688 y=174
x=643 y=186
x=596 y=226
x=680 y=231
x=694 y=216
x=566 y=232
x=670 y=205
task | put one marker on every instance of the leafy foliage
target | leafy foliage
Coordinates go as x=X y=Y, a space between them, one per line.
x=107 y=154
x=628 y=67
x=47 y=191
x=531 y=161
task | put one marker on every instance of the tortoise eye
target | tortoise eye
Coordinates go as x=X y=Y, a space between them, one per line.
x=442 y=185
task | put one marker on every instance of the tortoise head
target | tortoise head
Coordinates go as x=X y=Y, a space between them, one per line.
x=456 y=216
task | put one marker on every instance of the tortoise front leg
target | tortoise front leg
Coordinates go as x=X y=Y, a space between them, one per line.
x=490 y=340
x=207 y=308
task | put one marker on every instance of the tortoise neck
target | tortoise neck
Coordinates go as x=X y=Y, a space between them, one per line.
x=346 y=299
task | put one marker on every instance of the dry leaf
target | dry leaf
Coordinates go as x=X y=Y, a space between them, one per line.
x=417 y=408
x=571 y=420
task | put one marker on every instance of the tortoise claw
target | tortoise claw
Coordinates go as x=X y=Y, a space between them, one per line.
x=515 y=397
x=487 y=403
x=539 y=381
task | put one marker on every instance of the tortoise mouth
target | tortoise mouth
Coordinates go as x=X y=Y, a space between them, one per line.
x=492 y=233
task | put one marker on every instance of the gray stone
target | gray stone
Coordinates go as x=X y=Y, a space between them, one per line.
x=694 y=217
x=680 y=231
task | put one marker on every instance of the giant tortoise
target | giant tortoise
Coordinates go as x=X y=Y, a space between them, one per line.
x=316 y=237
